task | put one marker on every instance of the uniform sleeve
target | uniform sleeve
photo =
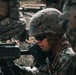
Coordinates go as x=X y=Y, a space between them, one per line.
x=72 y=67
x=69 y=69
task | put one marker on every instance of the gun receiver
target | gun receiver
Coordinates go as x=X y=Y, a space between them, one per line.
x=9 y=51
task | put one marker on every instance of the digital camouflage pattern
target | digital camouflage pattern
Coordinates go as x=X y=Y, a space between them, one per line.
x=12 y=24
x=64 y=63
x=10 y=28
x=69 y=13
x=44 y=21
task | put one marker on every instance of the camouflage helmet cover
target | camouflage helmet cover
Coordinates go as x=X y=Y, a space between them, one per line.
x=44 y=21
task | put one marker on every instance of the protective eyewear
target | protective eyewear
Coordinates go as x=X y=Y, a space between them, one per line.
x=40 y=37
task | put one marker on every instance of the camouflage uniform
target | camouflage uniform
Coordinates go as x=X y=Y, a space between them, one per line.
x=47 y=21
x=11 y=24
x=69 y=13
x=65 y=62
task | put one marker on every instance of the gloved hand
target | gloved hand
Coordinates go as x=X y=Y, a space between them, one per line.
x=31 y=71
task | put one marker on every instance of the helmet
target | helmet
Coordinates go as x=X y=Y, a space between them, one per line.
x=45 y=21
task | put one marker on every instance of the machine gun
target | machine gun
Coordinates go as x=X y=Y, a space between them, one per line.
x=11 y=52
x=8 y=53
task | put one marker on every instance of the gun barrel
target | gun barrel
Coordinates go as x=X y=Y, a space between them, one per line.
x=25 y=52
